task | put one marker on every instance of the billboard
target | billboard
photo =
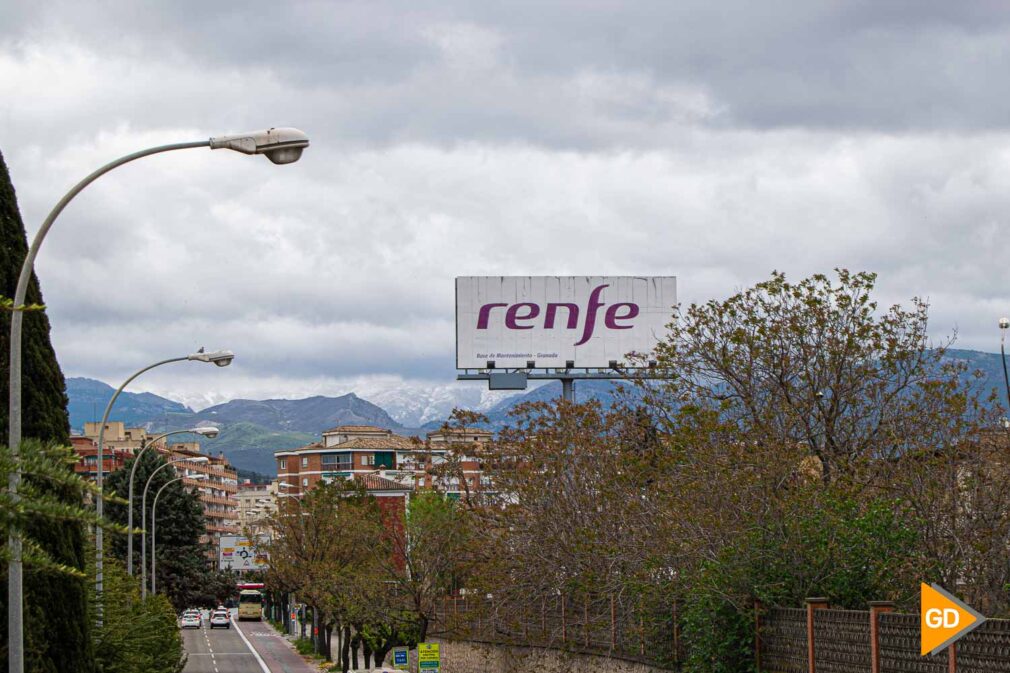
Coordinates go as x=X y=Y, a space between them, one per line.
x=551 y=320
x=237 y=552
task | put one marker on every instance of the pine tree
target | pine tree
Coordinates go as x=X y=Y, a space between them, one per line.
x=57 y=636
x=182 y=569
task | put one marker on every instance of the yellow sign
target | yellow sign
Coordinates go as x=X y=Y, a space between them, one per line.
x=943 y=619
x=427 y=657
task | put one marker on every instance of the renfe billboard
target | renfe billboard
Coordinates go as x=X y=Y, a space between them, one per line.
x=550 y=320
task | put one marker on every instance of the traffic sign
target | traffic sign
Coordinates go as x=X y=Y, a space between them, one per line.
x=943 y=619
x=427 y=657
x=400 y=659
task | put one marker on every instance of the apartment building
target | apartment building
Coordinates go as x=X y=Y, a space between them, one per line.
x=217 y=490
x=403 y=464
x=256 y=502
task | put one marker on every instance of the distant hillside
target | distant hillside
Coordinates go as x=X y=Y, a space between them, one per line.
x=89 y=397
x=251 y=430
x=312 y=414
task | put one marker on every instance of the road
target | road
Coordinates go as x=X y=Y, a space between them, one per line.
x=228 y=650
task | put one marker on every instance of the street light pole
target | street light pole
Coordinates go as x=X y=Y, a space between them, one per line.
x=143 y=518
x=219 y=358
x=154 y=529
x=209 y=432
x=280 y=145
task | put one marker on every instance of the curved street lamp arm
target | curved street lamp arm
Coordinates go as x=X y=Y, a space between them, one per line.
x=133 y=473
x=154 y=533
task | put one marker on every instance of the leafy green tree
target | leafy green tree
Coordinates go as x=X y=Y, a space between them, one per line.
x=135 y=635
x=58 y=639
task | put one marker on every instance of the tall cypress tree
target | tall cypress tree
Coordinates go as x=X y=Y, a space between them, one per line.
x=57 y=629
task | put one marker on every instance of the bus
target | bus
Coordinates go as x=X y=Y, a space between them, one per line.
x=250 y=604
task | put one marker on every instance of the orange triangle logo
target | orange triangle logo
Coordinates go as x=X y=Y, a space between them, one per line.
x=943 y=619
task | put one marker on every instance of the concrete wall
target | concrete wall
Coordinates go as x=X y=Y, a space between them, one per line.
x=469 y=657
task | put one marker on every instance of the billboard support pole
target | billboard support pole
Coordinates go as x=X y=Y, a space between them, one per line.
x=568 y=390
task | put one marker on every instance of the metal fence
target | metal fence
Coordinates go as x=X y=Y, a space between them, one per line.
x=842 y=642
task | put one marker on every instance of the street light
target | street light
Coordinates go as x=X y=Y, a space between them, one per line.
x=154 y=527
x=219 y=358
x=209 y=432
x=143 y=516
x=281 y=146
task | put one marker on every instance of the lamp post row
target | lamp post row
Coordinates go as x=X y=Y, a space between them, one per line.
x=279 y=145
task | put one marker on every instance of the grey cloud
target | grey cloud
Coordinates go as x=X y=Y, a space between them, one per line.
x=714 y=142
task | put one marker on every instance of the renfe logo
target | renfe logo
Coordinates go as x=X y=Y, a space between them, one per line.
x=527 y=312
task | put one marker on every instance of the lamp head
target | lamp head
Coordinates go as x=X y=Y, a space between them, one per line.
x=210 y=432
x=280 y=145
x=220 y=358
x=1004 y=323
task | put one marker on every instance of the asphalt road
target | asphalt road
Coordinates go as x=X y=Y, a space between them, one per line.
x=217 y=651
x=226 y=651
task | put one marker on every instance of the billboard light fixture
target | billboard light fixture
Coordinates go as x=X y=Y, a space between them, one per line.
x=652 y=364
x=569 y=364
x=531 y=364
x=490 y=364
x=612 y=364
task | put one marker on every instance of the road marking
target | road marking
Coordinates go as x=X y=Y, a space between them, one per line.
x=259 y=659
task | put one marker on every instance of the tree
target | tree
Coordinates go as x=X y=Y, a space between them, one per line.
x=813 y=363
x=135 y=634
x=62 y=634
x=182 y=558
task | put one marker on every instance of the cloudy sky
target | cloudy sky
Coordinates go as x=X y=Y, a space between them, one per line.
x=714 y=141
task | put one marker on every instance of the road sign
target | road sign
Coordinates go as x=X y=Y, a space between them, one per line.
x=427 y=657
x=943 y=619
x=400 y=658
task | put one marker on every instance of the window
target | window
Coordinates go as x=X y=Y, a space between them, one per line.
x=305 y=461
x=305 y=481
x=337 y=461
x=284 y=463
x=368 y=459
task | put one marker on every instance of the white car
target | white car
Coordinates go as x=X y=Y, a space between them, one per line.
x=219 y=618
x=191 y=620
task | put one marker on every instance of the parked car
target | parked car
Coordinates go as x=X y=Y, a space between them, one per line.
x=191 y=620
x=220 y=618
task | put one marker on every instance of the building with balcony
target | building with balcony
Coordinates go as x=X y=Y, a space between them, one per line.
x=353 y=451
x=256 y=503
x=217 y=490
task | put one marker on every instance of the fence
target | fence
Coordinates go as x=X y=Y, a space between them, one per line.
x=816 y=639
x=821 y=640
x=612 y=626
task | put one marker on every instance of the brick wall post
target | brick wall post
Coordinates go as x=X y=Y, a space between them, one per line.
x=876 y=609
x=813 y=604
x=757 y=635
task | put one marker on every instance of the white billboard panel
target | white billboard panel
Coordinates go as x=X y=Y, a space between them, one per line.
x=237 y=552
x=549 y=320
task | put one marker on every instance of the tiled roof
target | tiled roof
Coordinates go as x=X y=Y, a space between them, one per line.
x=390 y=443
x=373 y=482
x=357 y=428
x=376 y=443
x=460 y=431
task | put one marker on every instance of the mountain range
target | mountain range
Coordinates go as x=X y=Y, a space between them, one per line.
x=251 y=430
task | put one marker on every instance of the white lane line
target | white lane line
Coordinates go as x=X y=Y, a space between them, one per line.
x=259 y=659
